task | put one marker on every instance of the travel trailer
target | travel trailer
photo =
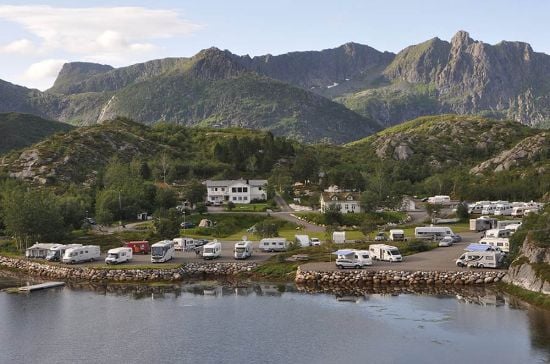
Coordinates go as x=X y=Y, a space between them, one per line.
x=498 y=233
x=480 y=256
x=385 y=252
x=184 y=244
x=303 y=240
x=502 y=224
x=440 y=200
x=212 y=250
x=242 y=249
x=273 y=245
x=432 y=232
x=519 y=211
x=489 y=209
x=118 y=255
x=351 y=258
x=503 y=209
x=86 y=253
x=162 y=251
x=39 y=250
x=339 y=237
x=56 y=252
x=502 y=244
x=397 y=235
x=139 y=247
x=482 y=223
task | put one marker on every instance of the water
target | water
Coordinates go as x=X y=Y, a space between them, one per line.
x=262 y=323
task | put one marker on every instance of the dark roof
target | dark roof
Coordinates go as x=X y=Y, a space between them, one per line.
x=340 y=196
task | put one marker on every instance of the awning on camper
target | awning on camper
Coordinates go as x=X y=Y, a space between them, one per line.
x=343 y=252
x=478 y=247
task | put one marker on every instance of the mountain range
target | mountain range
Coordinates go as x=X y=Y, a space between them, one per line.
x=336 y=95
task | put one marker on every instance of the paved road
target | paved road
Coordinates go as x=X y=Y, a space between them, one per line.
x=442 y=259
x=282 y=204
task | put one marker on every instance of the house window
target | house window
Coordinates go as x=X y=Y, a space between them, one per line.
x=347 y=207
x=334 y=198
x=239 y=189
x=240 y=198
x=215 y=189
x=223 y=189
x=233 y=189
x=245 y=189
x=234 y=198
x=259 y=188
x=353 y=206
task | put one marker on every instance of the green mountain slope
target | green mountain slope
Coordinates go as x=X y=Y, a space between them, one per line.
x=21 y=130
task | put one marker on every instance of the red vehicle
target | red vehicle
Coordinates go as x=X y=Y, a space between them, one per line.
x=139 y=247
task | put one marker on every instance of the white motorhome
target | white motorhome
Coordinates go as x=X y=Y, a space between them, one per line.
x=184 y=244
x=503 y=244
x=503 y=209
x=353 y=258
x=385 y=252
x=489 y=209
x=303 y=240
x=397 y=235
x=242 y=249
x=162 y=251
x=498 y=233
x=55 y=254
x=519 y=211
x=212 y=250
x=119 y=255
x=273 y=245
x=339 y=237
x=440 y=200
x=432 y=232
x=86 y=253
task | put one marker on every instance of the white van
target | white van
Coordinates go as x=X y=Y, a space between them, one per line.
x=55 y=254
x=242 y=249
x=212 y=250
x=353 y=258
x=502 y=244
x=162 y=251
x=184 y=244
x=303 y=240
x=432 y=232
x=385 y=252
x=397 y=235
x=81 y=254
x=273 y=245
x=119 y=255
x=339 y=237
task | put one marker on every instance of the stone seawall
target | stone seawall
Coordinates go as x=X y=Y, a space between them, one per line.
x=398 y=278
x=76 y=273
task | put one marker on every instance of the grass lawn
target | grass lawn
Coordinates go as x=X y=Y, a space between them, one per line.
x=250 y=207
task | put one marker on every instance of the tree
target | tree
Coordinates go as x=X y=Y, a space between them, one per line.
x=367 y=227
x=165 y=198
x=433 y=210
x=266 y=229
x=194 y=192
x=230 y=205
x=333 y=216
x=370 y=200
x=462 y=211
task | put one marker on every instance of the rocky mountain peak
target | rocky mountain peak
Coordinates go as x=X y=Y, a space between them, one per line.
x=75 y=72
x=213 y=63
x=461 y=39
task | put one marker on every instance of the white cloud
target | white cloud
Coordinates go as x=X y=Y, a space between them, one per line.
x=46 y=69
x=89 y=32
x=21 y=46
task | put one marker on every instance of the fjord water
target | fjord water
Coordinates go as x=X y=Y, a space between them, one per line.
x=264 y=324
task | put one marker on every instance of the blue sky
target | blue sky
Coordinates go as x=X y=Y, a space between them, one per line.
x=37 y=38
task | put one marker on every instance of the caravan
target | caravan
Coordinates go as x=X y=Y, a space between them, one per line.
x=56 y=252
x=397 y=235
x=303 y=240
x=482 y=223
x=498 y=233
x=212 y=250
x=339 y=237
x=81 y=254
x=118 y=255
x=432 y=232
x=440 y=200
x=352 y=258
x=273 y=245
x=184 y=244
x=385 y=252
x=162 y=251
x=39 y=250
x=242 y=249
x=502 y=244
x=503 y=209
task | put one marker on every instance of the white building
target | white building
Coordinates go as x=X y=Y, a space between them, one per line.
x=236 y=191
x=348 y=201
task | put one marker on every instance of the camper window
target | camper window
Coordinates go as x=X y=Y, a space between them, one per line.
x=365 y=256
x=489 y=257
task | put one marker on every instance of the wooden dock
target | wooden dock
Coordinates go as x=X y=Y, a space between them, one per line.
x=40 y=286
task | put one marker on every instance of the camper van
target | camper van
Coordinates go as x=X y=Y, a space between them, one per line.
x=397 y=235
x=273 y=245
x=385 y=252
x=352 y=258
x=498 y=233
x=162 y=251
x=118 y=255
x=440 y=200
x=482 y=223
x=139 y=247
x=184 y=244
x=212 y=250
x=303 y=240
x=432 y=232
x=503 y=209
x=480 y=256
x=81 y=254
x=488 y=209
x=339 y=237
x=55 y=254
x=242 y=250
x=502 y=244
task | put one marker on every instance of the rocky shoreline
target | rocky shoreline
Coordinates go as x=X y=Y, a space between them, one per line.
x=72 y=273
x=397 y=278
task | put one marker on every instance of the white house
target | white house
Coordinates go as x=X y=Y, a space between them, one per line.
x=237 y=191
x=348 y=201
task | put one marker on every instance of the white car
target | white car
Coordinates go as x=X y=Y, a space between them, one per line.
x=315 y=242
x=446 y=241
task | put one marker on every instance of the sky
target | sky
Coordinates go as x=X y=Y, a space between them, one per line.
x=36 y=38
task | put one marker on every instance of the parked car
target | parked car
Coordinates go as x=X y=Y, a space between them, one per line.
x=187 y=225
x=90 y=221
x=456 y=238
x=446 y=241
x=381 y=236
x=315 y=242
